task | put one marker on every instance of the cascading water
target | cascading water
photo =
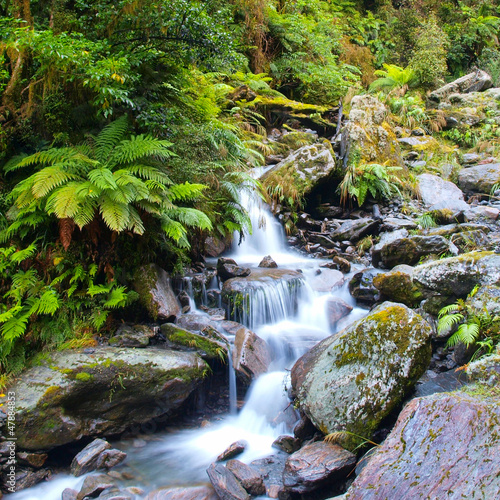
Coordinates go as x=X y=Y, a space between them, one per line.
x=291 y=317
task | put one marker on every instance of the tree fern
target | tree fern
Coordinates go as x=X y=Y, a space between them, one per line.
x=110 y=137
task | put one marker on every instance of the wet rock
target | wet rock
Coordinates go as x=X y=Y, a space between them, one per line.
x=286 y=443
x=117 y=494
x=271 y=470
x=473 y=82
x=485 y=370
x=352 y=380
x=434 y=190
x=308 y=166
x=69 y=494
x=110 y=458
x=397 y=285
x=152 y=283
x=410 y=250
x=457 y=276
x=251 y=355
x=315 y=465
x=75 y=393
x=181 y=493
x=343 y=265
x=362 y=288
x=248 y=477
x=268 y=261
x=394 y=224
x=326 y=280
x=36 y=460
x=321 y=239
x=354 y=230
x=225 y=483
x=86 y=460
x=27 y=478
x=479 y=179
x=215 y=246
x=210 y=345
x=94 y=485
x=227 y=269
x=441 y=444
x=132 y=336
x=304 y=429
x=237 y=448
x=336 y=309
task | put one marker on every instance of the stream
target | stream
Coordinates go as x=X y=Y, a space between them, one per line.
x=291 y=325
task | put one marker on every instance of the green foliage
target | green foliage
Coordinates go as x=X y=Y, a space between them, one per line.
x=426 y=221
x=471 y=327
x=394 y=77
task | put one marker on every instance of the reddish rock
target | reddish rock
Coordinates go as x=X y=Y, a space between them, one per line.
x=232 y=451
x=251 y=356
x=249 y=478
x=316 y=464
x=443 y=446
x=337 y=309
x=204 y=492
x=225 y=483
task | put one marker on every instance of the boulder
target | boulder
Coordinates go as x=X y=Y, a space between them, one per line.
x=36 y=460
x=227 y=269
x=343 y=265
x=486 y=301
x=386 y=239
x=268 y=262
x=393 y=224
x=209 y=344
x=215 y=246
x=94 y=485
x=479 y=179
x=443 y=446
x=369 y=132
x=249 y=478
x=251 y=355
x=104 y=390
x=476 y=81
x=486 y=370
x=336 y=309
x=68 y=494
x=152 y=283
x=315 y=465
x=409 y=250
x=225 y=483
x=327 y=280
x=397 y=285
x=288 y=444
x=305 y=168
x=435 y=190
x=362 y=288
x=354 y=230
x=132 y=336
x=352 y=380
x=204 y=492
x=86 y=460
x=457 y=276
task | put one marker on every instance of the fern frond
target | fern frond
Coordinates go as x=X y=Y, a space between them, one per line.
x=109 y=137
x=452 y=308
x=86 y=213
x=49 y=303
x=150 y=174
x=140 y=146
x=103 y=178
x=117 y=298
x=21 y=255
x=64 y=202
x=173 y=229
x=50 y=178
x=449 y=321
x=115 y=215
x=467 y=334
x=185 y=191
x=190 y=217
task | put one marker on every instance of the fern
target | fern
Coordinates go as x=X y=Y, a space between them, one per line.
x=110 y=137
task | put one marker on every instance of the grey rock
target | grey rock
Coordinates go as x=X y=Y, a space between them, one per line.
x=354 y=230
x=182 y=493
x=470 y=158
x=327 y=280
x=362 y=288
x=235 y=449
x=434 y=190
x=69 y=494
x=479 y=179
x=132 y=336
x=94 y=485
x=473 y=82
x=110 y=458
x=352 y=380
x=227 y=269
x=86 y=460
x=337 y=309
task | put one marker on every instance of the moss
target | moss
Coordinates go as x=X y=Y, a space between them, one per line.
x=84 y=376
x=284 y=104
x=144 y=281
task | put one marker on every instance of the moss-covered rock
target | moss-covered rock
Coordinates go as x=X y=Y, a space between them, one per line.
x=398 y=285
x=104 y=391
x=352 y=380
x=209 y=344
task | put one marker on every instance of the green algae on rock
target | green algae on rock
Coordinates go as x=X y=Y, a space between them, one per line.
x=352 y=380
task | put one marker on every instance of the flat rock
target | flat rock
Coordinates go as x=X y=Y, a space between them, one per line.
x=479 y=179
x=225 y=483
x=251 y=355
x=327 y=280
x=233 y=450
x=354 y=230
x=443 y=446
x=227 y=269
x=316 y=464
x=249 y=478
x=202 y=492
x=132 y=336
x=352 y=380
x=76 y=393
x=434 y=189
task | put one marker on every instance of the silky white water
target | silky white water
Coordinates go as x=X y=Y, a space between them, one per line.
x=291 y=320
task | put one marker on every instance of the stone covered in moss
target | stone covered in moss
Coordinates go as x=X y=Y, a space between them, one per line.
x=76 y=393
x=132 y=336
x=352 y=380
x=210 y=344
x=443 y=446
x=457 y=276
x=397 y=285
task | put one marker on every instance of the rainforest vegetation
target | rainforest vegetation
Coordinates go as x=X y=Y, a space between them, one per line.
x=127 y=129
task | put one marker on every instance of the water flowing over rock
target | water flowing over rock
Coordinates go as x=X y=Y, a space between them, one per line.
x=316 y=464
x=434 y=190
x=368 y=132
x=479 y=179
x=249 y=478
x=337 y=309
x=251 y=355
x=152 y=283
x=352 y=380
x=327 y=280
x=227 y=269
x=190 y=493
x=443 y=446
x=473 y=82
x=78 y=393
x=267 y=295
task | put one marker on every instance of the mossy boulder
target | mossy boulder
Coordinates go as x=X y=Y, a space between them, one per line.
x=443 y=446
x=479 y=179
x=101 y=391
x=304 y=169
x=398 y=285
x=132 y=336
x=352 y=380
x=457 y=276
x=369 y=132
x=153 y=285
x=486 y=301
x=209 y=344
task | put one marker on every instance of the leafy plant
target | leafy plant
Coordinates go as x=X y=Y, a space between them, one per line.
x=426 y=221
x=394 y=77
